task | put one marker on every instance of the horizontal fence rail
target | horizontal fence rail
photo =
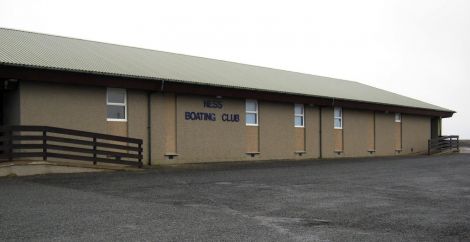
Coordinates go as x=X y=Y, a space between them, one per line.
x=51 y=142
x=443 y=143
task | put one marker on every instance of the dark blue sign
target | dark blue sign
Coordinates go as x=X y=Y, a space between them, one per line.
x=213 y=104
x=199 y=116
x=230 y=117
x=226 y=117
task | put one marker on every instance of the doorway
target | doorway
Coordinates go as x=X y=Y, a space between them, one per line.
x=435 y=127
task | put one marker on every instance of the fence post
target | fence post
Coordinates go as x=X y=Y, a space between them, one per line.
x=44 y=145
x=140 y=155
x=94 y=150
x=4 y=144
x=458 y=144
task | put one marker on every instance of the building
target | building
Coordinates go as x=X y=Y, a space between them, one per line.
x=190 y=109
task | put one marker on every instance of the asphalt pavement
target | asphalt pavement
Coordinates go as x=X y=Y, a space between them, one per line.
x=393 y=199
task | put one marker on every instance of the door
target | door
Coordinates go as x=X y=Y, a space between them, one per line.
x=435 y=127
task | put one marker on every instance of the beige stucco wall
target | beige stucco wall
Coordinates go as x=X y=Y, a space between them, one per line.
x=398 y=138
x=213 y=141
x=208 y=141
x=197 y=140
x=252 y=139
x=338 y=134
x=276 y=130
x=312 y=132
x=328 y=134
x=371 y=131
x=137 y=118
x=163 y=128
x=84 y=108
x=354 y=140
x=118 y=128
x=65 y=106
x=299 y=139
x=416 y=132
x=355 y=132
x=385 y=134
x=79 y=107
x=158 y=129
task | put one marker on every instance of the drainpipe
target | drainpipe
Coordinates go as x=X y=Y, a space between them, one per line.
x=320 y=130
x=149 y=127
x=149 y=122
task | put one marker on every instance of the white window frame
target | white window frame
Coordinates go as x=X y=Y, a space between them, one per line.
x=398 y=117
x=301 y=115
x=253 y=112
x=117 y=104
x=340 y=118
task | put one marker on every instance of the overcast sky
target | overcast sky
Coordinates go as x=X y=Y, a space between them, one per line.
x=418 y=48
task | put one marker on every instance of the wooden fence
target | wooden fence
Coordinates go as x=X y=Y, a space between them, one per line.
x=443 y=143
x=50 y=142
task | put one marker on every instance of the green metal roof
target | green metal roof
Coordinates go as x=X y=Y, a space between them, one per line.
x=61 y=53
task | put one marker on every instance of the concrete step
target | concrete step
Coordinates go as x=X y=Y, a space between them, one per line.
x=34 y=167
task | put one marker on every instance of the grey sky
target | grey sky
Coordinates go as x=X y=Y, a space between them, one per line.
x=417 y=48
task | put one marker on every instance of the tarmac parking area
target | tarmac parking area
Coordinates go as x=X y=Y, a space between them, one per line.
x=395 y=199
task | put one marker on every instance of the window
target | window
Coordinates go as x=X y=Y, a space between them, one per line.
x=338 y=118
x=116 y=101
x=398 y=117
x=299 y=115
x=251 y=112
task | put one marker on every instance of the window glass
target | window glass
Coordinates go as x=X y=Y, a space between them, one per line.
x=398 y=117
x=116 y=104
x=338 y=123
x=338 y=118
x=251 y=105
x=299 y=115
x=116 y=112
x=116 y=95
x=299 y=109
x=251 y=118
x=338 y=112
x=299 y=121
x=251 y=108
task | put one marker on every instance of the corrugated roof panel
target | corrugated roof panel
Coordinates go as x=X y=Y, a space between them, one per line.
x=47 y=51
